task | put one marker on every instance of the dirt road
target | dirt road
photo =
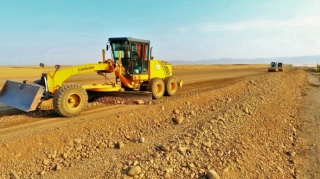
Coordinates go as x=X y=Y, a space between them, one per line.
x=308 y=143
x=241 y=123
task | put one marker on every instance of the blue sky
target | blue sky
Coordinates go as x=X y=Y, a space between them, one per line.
x=74 y=32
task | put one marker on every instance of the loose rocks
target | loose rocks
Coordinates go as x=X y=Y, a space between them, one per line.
x=212 y=174
x=13 y=175
x=141 y=139
x=120 y=145
x=135 y=170
x=179 y=119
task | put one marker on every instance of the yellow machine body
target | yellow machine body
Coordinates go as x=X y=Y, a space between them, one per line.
x=56 y=78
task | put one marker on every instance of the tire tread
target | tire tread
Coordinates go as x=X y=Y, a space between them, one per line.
x=58 y=102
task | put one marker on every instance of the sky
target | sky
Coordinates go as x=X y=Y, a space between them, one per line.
x=74 y=32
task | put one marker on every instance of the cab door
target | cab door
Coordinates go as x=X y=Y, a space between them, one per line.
x=140 y=57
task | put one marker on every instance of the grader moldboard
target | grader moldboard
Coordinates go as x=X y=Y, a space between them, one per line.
x=137 y=75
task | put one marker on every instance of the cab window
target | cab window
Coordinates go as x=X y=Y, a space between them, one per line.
x=140 y=57
x=121 y=48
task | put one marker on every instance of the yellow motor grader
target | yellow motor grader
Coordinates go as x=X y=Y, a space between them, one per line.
x=137 y=73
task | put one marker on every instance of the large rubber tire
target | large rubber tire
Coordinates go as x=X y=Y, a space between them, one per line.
x=171 y=86
x=70 y=100
x=156 y=86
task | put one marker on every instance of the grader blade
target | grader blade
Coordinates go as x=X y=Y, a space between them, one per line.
x=25 y=97
x=121 y=94
x=133 y=94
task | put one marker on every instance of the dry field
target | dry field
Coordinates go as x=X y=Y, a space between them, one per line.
x=228 y=121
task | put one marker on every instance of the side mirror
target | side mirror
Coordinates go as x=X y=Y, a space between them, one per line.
x=151 y=57
x=107 y=47
x=57 y=67
x=42 y=66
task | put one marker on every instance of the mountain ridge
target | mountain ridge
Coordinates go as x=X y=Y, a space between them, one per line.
x=286 y=60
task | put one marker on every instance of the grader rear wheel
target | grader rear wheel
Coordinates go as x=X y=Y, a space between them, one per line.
x=171 y=86
x=156 y=86
x=70 y=100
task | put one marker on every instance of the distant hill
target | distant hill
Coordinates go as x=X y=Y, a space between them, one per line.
x=286 y=60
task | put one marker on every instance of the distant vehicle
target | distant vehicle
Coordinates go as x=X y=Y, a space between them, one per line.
x=273 y=67
x=280 y=66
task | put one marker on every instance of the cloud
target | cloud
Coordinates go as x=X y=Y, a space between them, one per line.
x=308 y=21
x=183 y=29
x=247 y=39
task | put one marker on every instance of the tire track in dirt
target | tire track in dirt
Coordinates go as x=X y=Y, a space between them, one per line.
x=45 y=117
x=27 y=127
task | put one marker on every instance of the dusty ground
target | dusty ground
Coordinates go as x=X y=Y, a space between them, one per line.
x=241 y=122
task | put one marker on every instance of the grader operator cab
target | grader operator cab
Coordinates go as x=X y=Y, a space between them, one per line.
x=135 y=70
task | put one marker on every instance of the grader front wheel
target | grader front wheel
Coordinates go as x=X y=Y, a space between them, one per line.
x=70 y=100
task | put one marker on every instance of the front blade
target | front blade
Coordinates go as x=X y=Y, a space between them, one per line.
x=25 y=97
x=121 y=94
